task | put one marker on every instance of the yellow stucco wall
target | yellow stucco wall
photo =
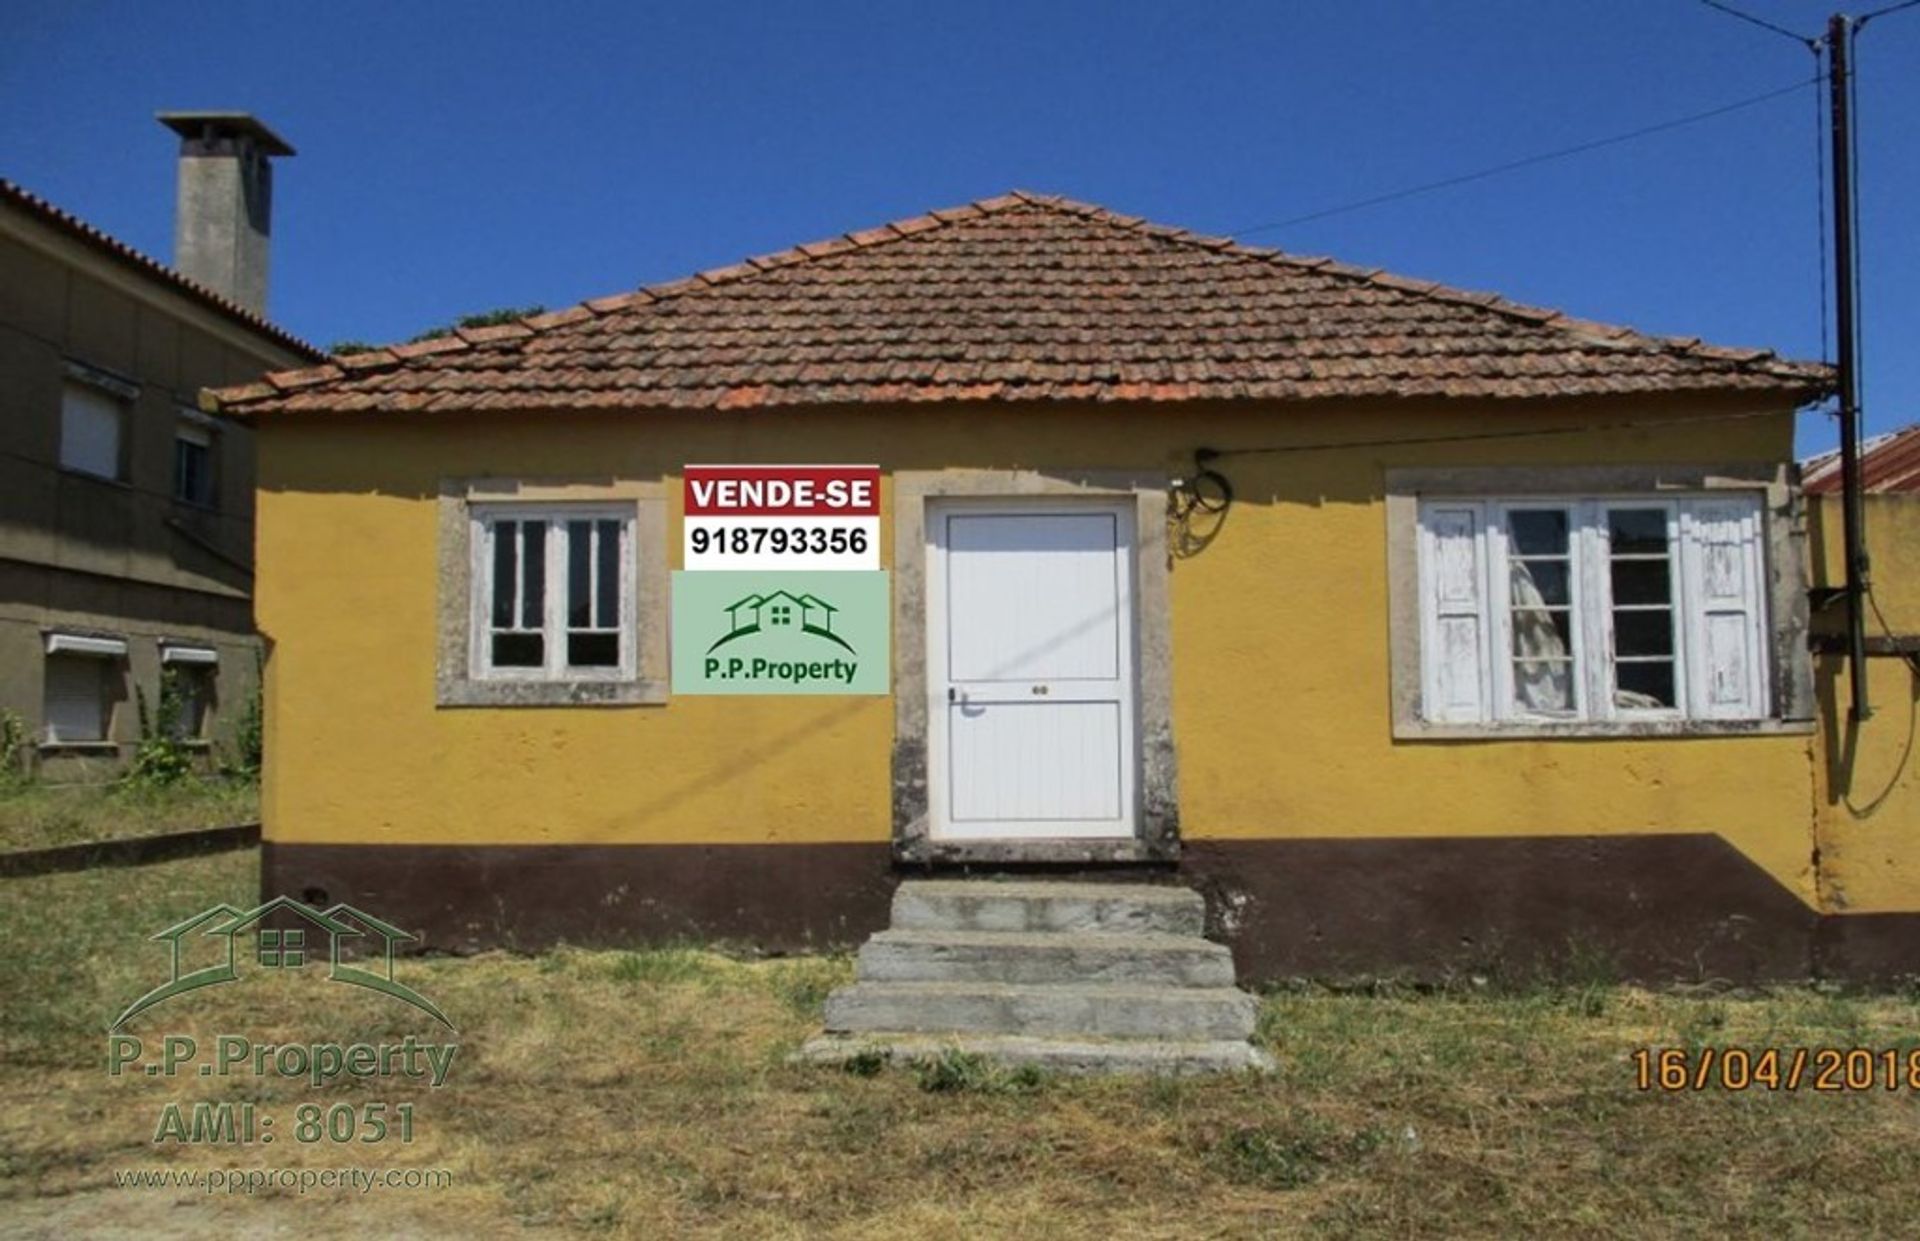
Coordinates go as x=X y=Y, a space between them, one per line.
x=1279 y=633
x=1867 y=777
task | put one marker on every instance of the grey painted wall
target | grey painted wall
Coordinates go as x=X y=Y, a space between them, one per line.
x=123 y=558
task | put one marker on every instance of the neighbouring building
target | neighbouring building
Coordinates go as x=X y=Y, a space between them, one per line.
x=126 y=513
x=1422 y=630
x=1888 y=463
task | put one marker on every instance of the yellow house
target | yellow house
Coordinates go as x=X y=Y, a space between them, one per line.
x=1420 y=630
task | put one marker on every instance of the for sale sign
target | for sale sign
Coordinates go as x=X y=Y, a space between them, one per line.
x=780 y=633
x=782 y=517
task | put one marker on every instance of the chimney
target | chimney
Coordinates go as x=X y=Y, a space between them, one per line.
x=223 y=216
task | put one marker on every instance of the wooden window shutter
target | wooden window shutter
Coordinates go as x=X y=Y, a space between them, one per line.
x=1454 y=614
x=1724 y=580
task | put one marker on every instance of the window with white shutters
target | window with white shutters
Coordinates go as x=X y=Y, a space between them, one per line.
x=1593 y=608
x=553 y=593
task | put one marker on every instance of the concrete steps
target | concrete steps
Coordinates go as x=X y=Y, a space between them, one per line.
x=1075 y=977
x=1041 y=905
x=1059 y=1055
x=1153 y=958
x=1014 y=1008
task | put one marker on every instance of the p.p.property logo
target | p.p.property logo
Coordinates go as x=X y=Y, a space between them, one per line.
x=780 y=633
x=300 y=937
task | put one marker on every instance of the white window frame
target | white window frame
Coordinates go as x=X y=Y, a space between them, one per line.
x=1443 y=700
x=192 y=431
x=554 y=628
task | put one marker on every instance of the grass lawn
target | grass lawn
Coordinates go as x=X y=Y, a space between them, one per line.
x=37 y=816
x=646 y=1094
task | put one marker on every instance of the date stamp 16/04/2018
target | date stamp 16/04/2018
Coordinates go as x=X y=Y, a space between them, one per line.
x=1826 y=1070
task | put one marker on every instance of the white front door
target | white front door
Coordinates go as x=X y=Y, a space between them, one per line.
x=1030 y=670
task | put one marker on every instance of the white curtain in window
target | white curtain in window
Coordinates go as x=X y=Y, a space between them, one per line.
x=1542 y=670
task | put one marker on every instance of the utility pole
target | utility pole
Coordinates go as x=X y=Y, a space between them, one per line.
x=1839 y=30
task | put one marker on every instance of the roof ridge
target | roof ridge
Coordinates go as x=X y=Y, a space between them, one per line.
x=521 y=330
x=1541 y=316
x=388 y=357
x=51 y=212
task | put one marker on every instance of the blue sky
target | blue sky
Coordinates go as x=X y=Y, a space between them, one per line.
x=455 y=158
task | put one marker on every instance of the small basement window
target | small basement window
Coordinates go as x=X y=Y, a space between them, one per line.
x=81 y=674
x=191 y=671
x=553 y=593
x=1593 y=609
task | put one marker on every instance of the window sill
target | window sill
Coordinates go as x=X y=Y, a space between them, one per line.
x=56 y=748
x=120 y=484
x=1415 y=730
x=472 y=693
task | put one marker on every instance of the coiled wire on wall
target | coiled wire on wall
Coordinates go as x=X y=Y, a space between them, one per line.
x=1197 y=505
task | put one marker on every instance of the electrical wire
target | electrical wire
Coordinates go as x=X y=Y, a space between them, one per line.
x=1762 y=22
x=1891 y=8
x=54 y=467
x=1527 y=161
x=1527 y=433
x=1912 y=658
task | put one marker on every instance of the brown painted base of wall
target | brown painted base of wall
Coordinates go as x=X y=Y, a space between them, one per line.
x=465 y=898
x=1685 y=907
x=1648 y=908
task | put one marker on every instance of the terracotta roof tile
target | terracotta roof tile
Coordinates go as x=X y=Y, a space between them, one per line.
x=914 y=224
x=427 y=347
x=1889 y=462
x=245 y=392
x=372 y=359
x=1027 y=297
x=493 y=332
x=557 y=318
x=608 y=305
x=305 y=377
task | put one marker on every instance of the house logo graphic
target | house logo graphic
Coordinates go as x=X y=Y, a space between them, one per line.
x=777 y=610
x=283 y=947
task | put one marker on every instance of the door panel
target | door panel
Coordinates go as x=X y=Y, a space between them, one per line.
x=1033 y=598
x=1031 y=671
x=1034 y=761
